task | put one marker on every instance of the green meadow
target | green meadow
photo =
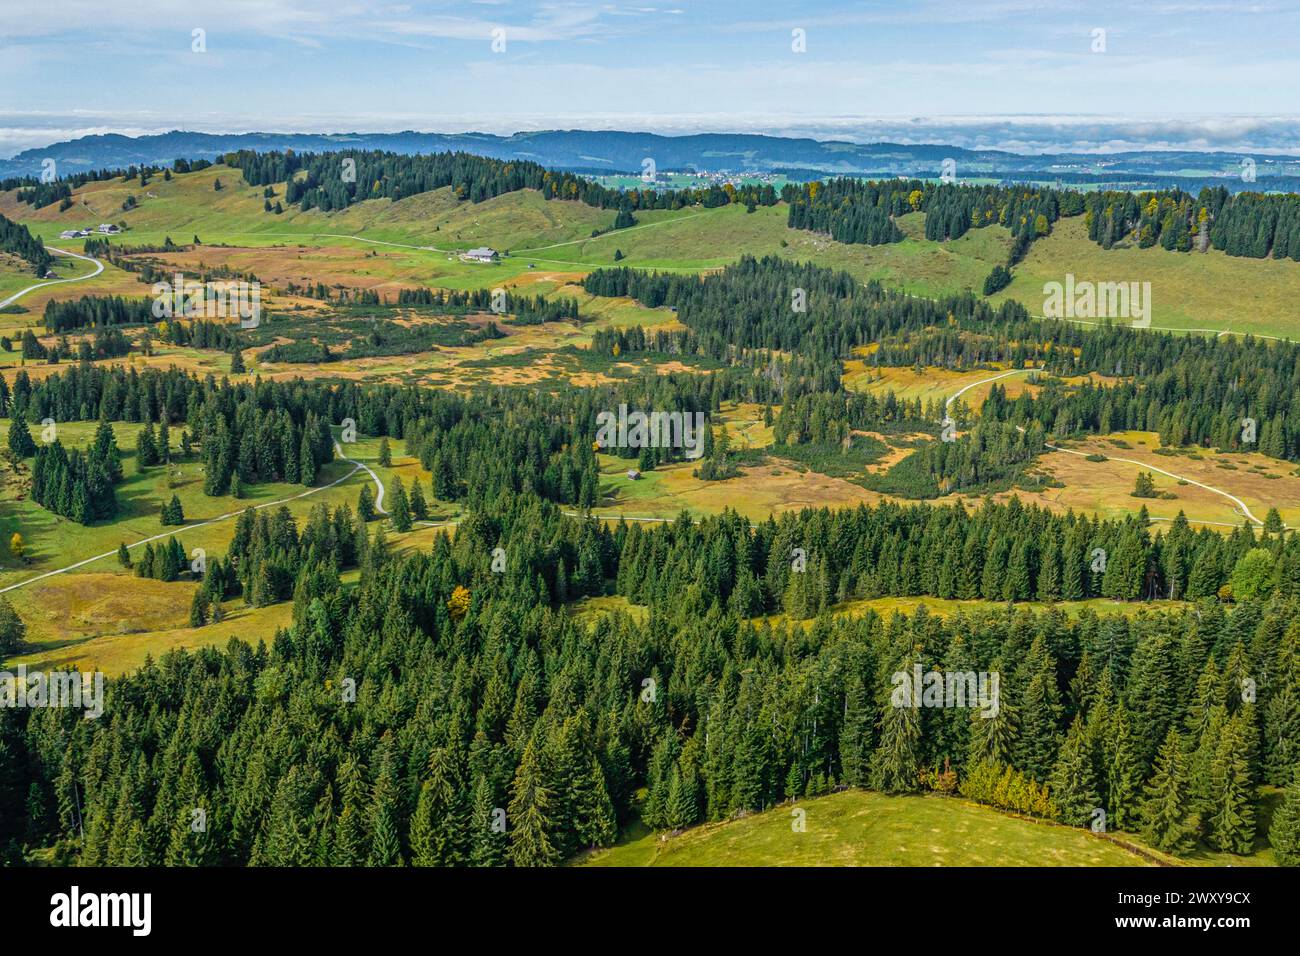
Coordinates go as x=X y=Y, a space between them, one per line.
x=862 y=828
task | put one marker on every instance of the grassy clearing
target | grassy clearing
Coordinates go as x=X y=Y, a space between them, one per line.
x=760 y=490
x=587 y=610
x=17 y=274
x=1188 y=290
x=113 y=622
x=857 y=828
x=1104 y=487
x=932 y=384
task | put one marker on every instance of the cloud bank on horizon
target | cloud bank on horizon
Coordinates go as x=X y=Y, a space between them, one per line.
x=1023 y=75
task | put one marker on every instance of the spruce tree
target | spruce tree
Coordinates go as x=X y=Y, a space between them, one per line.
x=20 y=439
x=424 y=829
x=146 y=452
x=13 y=631
x=1200 y=765
x=1073 y=782
x=172 y=512
x=366 y=503
x=1167 y=822
x=894 y=764
x=1284 y=834
x=1232 y=815
x=531 y=826
x=794 y=781
x=596 y=825
x=199 y=609
x=307 y=463
x=993 y=735
x=385 y=843
x=1123 y=773
x=489 y=842
x=350 y=826
x=679 y=811
x=1040 y=708
x=419 y=506
x=1282 y=733
x=400 y=511
x=856 y=738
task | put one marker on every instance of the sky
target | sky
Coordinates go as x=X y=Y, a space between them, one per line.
x=1030 y=75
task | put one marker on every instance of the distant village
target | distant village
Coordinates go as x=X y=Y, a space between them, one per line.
x=722 y=177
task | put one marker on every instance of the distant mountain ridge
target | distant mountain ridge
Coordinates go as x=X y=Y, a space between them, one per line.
x=611 y=151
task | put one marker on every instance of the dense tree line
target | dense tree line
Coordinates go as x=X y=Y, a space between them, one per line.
x=249 y=444
x=203 y=334
x=1190 y=388
x=1027 y=212
x=476 y=445
x=527 y=309
x=830 y=418
x=42 y=194
x=1251 y=224
x=271 y=559
x=105 y=343
x=96 y=311
x=253 y=433
x=848 y=210
x=167 y=562
x=996 y=553
x=855 y=210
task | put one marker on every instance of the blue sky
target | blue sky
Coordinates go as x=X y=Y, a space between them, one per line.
x=1012 y=73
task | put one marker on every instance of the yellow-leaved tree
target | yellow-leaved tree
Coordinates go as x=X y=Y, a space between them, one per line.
x=458 y=603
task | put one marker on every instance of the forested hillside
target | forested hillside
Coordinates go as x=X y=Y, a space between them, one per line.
x=396 y=722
